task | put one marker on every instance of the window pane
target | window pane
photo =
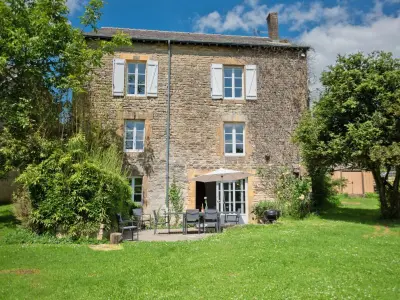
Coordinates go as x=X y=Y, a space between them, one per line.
x=139 y=145
x=139 y=135
x=228 y=93
x=138 y=189
x=238 y=72
x=131 y=89
x=238 y=83
x=238 y=93
x=141 y=68
x=141 y=79
x=131 y=78
x=129 y=125
x=227 y=72
x=138 y=181
x=239 y=148
x=239 y=128
x=131 y=68
x=139 y=125
x=228 y=138
x=228 y=128
x=141 y=89
x=137 y=198
x=239 y=138
x=228 y=148
x=226 y=186
x=237 y=188
x=242 y=208
x=228 y=82
x=128 y=145
x=129 y=135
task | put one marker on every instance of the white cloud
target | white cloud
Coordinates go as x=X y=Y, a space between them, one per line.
x=329 y=30
x=74 y=5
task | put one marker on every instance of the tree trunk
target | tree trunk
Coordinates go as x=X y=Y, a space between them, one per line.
x=389 y=196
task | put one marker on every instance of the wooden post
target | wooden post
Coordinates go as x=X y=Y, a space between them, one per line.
x=115 y=237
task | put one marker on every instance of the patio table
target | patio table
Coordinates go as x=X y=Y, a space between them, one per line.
x=201 y=214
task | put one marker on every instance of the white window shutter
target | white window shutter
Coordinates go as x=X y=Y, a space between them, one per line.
x=251 y=82
x=216 y=81
x=152 y=78
x=118 y=76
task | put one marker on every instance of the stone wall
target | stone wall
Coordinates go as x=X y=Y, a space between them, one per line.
x=197 y=120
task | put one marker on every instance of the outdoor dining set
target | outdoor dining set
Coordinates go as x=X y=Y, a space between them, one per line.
x=201 y=220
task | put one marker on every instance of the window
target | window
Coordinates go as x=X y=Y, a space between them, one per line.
x=134 y=136
x=136 y=79
x=234 y=138
x=233 y=82
x=232 y=196
x=137 y=189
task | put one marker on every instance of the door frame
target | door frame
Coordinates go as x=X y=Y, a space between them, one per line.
x=244 y=216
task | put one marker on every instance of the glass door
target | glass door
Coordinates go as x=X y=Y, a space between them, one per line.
x=231 y=196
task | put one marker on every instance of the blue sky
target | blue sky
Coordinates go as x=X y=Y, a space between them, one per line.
x=329 y=27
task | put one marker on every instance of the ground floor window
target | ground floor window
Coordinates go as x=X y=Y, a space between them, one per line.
x=137 y=189
x=231 y=196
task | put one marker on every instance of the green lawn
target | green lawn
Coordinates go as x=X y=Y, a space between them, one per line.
x=344 y=253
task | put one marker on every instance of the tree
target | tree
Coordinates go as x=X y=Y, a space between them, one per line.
x=43 y=61
x=356 y=123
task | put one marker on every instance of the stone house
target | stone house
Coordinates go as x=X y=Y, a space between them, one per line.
x=188 y=103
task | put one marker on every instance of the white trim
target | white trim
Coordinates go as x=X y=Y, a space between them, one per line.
x=136 y=78
x=233 y=83
x=234 y=139
x=133 y=189
x=134 y=149
x=220 y=191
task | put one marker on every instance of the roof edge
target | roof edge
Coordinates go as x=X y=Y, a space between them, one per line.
x=91 y=35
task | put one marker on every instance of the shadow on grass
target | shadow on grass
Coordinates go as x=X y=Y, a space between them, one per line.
x=7 y=218
x=358 y=215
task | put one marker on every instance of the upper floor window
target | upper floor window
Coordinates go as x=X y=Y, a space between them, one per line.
x=234 y=138
x=136 y=84
x=233 y=82
x=137 y=189
x=134 y=136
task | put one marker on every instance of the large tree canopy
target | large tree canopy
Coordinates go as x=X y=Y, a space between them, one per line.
x=356 y=123
x=43 y=60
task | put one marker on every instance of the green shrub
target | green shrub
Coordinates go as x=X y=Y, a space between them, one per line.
x=293 y=194
x=22 y=206
x=176 y=200
x=72 y=192
x=325 y=189
x=260 y=207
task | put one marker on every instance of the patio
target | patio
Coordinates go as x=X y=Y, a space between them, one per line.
x=162 y=235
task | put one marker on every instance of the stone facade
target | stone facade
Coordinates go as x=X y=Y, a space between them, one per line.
x=196 y=126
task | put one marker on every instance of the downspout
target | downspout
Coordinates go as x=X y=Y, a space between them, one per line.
x=168 y=128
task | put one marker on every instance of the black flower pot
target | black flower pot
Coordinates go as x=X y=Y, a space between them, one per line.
x=271 y=215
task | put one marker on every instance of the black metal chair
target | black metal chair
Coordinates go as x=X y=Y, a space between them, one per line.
x=192 y=218
x=211 y=220
x=141 y=218
x=233 y=217
x=127 y=225
x=161 y=220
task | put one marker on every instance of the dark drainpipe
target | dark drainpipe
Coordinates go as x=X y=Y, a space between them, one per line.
x=168 y=127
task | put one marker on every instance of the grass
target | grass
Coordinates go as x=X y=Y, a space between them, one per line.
x=343 y=253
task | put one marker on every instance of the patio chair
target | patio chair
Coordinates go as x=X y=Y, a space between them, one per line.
x=211 y=220
x=127 y=225
x=141 y=217
x=160 y=220
x=192 y=218
x=233 y=217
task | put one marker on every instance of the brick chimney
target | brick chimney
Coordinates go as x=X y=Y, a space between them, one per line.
x=272 y=23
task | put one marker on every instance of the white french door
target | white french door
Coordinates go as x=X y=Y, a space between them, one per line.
x=232 y=196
